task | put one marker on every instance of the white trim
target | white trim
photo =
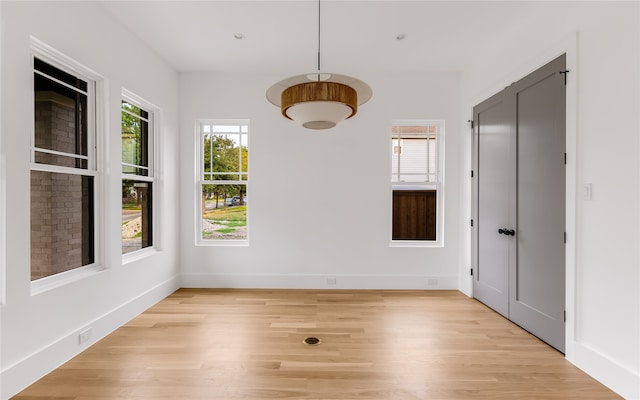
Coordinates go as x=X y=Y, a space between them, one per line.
x=101 y=160
x=152 y=134
x=59 y=153
x=415 y=243
x=137 y=255
x=200 y=174
x=158 y=176
x=142 y=178
x=153 y=140
x=318 y=281
x=438 y=185
x=62 y=278
x=134 y=115
x=223 y=243
x=58 y=81
x=136 y=166
x=62 y=170
x=96 y=156
x=19 y=375
x=624 y=380
x=3 y=176
x=60 y=60
x=412 y=186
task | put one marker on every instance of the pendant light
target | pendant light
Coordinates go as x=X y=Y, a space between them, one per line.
x=319 y=100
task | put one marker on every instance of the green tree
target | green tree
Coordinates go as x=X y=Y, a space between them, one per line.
x=222 y=155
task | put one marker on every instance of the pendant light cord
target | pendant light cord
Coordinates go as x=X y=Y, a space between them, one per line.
x=318 y=40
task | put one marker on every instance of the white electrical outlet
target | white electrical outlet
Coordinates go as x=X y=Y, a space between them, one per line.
x=84 y=336
x=332 y=281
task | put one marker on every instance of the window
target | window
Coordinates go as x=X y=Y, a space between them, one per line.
x=138 y=174
x=63 y=171
x=416 y=182
x=223 y=181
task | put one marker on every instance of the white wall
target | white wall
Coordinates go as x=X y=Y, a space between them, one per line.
x=39 y=332
x=602 y=41
x=319 y=200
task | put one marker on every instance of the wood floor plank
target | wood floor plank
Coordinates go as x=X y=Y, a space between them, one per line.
x=248 y=344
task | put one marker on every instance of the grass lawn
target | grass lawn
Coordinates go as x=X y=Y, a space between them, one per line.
x=226 y=215
x=229 y=218
x=131 y=206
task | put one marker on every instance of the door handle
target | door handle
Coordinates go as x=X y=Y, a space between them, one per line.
x=507 y=232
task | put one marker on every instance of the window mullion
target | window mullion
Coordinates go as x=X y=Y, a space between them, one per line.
x=400 y=144
x=211 y=154
x=428 y=150
x=58 y=81
x=59 y=153
x=135 y=115
x=62 y=170
x=142 y=178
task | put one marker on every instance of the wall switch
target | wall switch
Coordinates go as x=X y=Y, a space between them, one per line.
x=587 y=191
x=84 y=336
x=332 y=281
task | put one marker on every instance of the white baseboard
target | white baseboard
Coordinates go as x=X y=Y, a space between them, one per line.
x=277 y=281
x=465 y=285
x=20 y=375
x=616 y=377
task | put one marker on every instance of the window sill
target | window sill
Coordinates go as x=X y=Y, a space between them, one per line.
x=64 y=278
x=137 y=255
x=415 y=243
x=223 y=243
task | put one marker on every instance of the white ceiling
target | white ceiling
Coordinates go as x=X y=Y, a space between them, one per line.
x=357 y=36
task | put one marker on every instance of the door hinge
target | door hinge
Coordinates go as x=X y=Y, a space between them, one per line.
x=565 y=72
x=565 y=158
x=565 y=315
x=470 y=121
x=471 y=271
x=565 y=238
x=472 y=173
x=471 y=222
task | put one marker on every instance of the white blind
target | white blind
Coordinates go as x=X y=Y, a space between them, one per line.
x=414 y=153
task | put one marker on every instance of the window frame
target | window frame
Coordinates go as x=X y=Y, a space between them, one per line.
x=200 y=181
x=95 y=156
x=152 y=175
x=3 y=199
x=437 y=185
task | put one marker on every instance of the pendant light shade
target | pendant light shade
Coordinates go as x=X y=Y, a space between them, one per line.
x=319 y=100
x=319 y=104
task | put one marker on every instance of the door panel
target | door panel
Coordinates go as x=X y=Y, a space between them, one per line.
x=493 y=137
x=538 y=284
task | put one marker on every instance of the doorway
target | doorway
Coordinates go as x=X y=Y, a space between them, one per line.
x=519 y=158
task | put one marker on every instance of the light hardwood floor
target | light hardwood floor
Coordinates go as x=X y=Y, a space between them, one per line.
x=248 y=344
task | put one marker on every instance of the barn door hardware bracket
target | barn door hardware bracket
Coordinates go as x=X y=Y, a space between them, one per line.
x=470 y=121
x=565 y=72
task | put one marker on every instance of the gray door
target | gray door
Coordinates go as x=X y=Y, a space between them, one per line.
x=533 y=161
x=537 y=286
x=492 y=186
